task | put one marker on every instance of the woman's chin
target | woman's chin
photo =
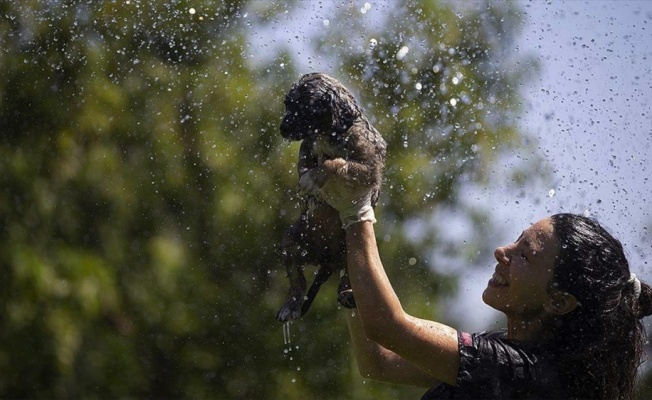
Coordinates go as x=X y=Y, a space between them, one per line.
x=492 y=299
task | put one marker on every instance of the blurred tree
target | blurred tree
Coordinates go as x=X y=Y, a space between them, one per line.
x=145 y=187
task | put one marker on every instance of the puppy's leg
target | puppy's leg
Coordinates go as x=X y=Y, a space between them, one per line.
x=345 y=294
x=290 y=310
x=322 y=276
x=291 y=253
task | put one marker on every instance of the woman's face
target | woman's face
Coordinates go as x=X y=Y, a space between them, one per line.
x=519 y=286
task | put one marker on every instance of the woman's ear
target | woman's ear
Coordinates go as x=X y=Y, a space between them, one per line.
x=560 y=303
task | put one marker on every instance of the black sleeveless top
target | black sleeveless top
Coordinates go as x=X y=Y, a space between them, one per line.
x=494 y=367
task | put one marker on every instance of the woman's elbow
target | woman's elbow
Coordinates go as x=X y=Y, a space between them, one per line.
x=373 y=372
x=382 y=330
x=366 y=372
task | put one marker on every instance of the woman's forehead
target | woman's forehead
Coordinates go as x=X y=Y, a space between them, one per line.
x=538 y=234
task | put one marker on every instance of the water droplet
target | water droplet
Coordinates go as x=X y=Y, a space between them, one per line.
x=402 y=52
x=286 y=337
x=436 y=68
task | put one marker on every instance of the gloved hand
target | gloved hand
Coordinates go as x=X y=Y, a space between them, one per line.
x=351 y=199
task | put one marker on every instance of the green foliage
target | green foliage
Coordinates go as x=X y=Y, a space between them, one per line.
x=446 y=104
x=145 y=188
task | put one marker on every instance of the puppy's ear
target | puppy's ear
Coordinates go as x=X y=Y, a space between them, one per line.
x=321 y=104
x=343 y=108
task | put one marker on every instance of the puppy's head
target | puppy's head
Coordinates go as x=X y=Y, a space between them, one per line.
x=316 y=104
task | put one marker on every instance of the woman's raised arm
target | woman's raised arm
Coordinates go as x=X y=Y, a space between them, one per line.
x=430 y=346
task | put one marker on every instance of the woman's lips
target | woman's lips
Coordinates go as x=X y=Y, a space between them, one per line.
x=497 y=280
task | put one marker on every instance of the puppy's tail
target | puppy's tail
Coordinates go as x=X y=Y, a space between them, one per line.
x=322 y=276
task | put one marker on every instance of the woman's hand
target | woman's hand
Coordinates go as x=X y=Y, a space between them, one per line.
x=350 y=198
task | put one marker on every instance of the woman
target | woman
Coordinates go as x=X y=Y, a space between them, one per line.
x=573 y=310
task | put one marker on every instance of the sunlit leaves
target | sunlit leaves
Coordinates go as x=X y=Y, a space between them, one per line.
x=439 y=88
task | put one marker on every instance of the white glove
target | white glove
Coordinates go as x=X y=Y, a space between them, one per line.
x=350 y=199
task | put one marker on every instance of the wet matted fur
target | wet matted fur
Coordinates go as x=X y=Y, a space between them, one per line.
x=324 y=115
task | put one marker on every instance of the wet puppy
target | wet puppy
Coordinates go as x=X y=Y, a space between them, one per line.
x=337 y=138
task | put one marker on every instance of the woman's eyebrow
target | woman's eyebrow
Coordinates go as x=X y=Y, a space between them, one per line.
x=528 y=243
x=533 y=245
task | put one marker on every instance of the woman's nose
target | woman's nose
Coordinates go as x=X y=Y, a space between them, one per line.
x=501 y=255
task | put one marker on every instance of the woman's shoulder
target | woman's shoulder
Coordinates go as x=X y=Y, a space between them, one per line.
x=496 y=367
x=495 y=334
x=493 y=348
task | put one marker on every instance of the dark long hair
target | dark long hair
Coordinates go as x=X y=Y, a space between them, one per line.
x=599 y=345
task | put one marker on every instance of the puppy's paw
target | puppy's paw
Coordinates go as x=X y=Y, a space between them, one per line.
x=346 y=299
x=309 y=183
x=336 y=166
x=290 y=311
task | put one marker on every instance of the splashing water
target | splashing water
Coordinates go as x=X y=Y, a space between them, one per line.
x=402 y=52
x=286 y=336
x=288 y=346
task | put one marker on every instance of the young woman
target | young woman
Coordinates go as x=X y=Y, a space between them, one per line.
x=573 y=310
